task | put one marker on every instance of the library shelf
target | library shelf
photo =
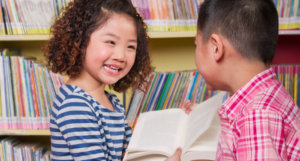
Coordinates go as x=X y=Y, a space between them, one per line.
x=25 y=132
x=153 y=35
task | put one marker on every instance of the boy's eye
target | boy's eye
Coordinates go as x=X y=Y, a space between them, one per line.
x=111 y=42
x=131 y=47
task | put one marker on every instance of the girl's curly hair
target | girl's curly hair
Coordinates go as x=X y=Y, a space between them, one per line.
x=65 y=51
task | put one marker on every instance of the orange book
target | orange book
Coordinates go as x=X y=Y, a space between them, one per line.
x=34 y=94
x=20 y=87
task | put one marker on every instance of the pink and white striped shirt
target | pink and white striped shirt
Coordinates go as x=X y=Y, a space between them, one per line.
x=260 y=122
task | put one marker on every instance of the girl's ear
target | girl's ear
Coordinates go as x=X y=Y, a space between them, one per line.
x=218 y=47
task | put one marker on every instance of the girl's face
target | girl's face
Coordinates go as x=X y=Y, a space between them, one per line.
x=111 y=51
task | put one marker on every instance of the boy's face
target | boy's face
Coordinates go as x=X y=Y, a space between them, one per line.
x=205 y=61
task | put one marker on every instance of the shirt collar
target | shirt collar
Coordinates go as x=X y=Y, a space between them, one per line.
x=234 y=104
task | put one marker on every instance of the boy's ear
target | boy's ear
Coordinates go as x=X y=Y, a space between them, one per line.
x=217 y=47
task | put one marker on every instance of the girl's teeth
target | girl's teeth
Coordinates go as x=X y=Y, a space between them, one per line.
x=110 y=69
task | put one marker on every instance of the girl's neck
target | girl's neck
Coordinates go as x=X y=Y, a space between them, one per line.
x=87 y=83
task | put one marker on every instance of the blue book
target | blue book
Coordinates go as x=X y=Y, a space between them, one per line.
x=28 y=87
x=199 y=90
x=155 y=92
x=166 y=92
x=193 y=85
x=160 y=91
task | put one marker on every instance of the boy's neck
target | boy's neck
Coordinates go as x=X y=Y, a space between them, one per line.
x=238 y=77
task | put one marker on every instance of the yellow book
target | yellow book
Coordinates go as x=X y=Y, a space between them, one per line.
x=296 y=87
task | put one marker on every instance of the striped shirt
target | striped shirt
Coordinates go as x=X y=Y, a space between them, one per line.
x=82 y=129
x=260 y=122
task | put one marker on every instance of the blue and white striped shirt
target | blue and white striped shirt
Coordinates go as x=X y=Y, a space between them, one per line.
x=82 y=129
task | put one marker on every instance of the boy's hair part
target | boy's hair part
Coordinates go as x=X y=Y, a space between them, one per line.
x=251 y=26
x=65 y=51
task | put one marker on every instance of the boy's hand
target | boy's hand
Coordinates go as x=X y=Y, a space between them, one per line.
x=176 y=156
x=187 y=106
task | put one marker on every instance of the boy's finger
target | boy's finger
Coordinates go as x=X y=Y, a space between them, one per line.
x=178 y=152
x=185 y=106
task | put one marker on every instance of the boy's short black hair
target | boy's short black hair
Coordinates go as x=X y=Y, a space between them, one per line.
x=251 y=26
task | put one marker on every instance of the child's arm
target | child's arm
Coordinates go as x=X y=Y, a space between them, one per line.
x=260 y=136
x=78 y=125
x=128 y=133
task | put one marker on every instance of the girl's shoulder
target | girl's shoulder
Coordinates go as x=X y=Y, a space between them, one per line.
x=71 y=93
x=115 y=101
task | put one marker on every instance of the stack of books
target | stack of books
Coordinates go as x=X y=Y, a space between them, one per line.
x=19 y=17
x=289 y=75
x=166 y=91
x=14 y=149
x=27 y=93
x=171 y=90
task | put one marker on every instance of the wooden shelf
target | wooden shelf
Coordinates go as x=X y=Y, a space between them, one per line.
x=153 y=35
x=160 y=35
x=289 y=32
x=25 y=132
x=24 y=37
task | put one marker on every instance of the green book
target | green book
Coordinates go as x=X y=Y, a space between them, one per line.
x=164 y=90
x=167 y=91
x=149 y=92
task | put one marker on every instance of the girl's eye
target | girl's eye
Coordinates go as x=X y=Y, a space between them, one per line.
x=131 y=47
x=111 y=42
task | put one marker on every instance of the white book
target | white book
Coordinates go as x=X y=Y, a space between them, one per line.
x=4 y=121
x=159 y=133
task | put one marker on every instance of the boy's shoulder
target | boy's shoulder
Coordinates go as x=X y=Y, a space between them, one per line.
x=273 y=98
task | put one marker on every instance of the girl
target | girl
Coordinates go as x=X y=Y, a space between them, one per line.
x=95 y=42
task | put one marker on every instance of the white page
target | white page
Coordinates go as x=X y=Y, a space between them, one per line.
x=200 y=119
x=158 y=131
x=208 y=141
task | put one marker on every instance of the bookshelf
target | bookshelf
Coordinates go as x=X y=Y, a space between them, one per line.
x=169 y=52
x=153 y=35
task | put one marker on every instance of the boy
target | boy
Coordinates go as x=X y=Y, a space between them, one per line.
x=236 y=42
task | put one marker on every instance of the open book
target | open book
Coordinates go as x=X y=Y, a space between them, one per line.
x=159 y=133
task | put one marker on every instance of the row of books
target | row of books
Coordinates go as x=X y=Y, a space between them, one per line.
x=14 y=149
x=171 y=90
x=289 y=13
x=28 y=90
x=289 y=75
x=168 y=90
x=19 y=17
x=169 y=15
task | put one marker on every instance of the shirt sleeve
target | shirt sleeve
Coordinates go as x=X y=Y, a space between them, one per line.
x=78 y=125
x=128 y=133
x=260 y=137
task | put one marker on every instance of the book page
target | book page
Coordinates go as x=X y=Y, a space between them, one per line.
x=200 y=119
x=205 y=147
x=158 y=131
